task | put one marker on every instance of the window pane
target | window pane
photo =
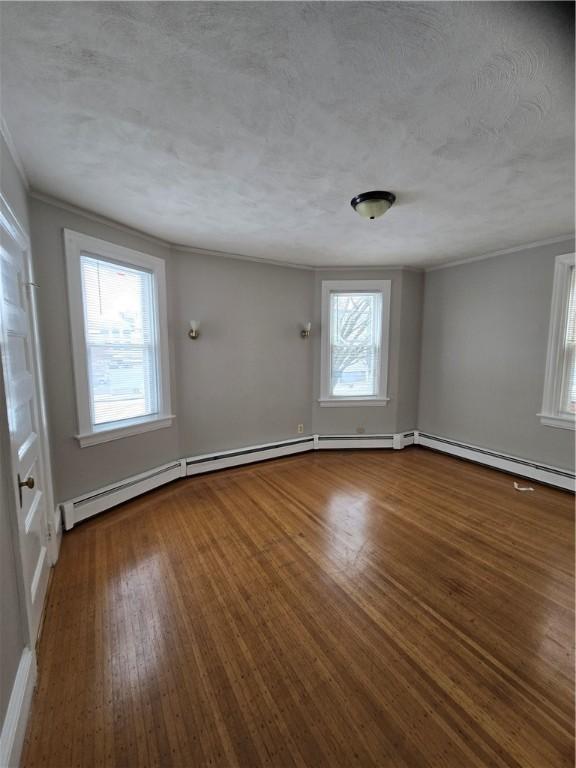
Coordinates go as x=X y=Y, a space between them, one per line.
x=355 y=330
x=568 y=399
x=120 y=340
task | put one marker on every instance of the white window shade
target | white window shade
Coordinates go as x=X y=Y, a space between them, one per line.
x=355 y=333
x=120 y=340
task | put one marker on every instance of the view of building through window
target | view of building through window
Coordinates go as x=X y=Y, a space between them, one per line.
x=120 y=340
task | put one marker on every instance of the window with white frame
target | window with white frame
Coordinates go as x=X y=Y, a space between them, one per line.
x=355 y=329
x=559 y=402
x=119 y=336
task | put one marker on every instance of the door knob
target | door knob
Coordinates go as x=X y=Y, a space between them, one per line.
x=28 y=483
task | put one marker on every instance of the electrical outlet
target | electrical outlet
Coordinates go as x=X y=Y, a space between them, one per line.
x=300 y=428
x=360 y=430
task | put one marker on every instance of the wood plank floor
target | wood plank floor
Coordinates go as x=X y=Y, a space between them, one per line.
x=397 y=609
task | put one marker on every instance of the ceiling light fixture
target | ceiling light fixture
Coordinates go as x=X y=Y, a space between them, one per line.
x=370 y=205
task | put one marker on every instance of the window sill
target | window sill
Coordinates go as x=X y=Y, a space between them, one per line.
x=128 y=429
x=563 y=422
x=343 y=402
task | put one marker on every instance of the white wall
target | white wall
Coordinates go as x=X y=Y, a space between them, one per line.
x=484 y=343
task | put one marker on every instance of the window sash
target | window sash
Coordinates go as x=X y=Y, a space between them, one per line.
x=150 y=406
x=558 y=402
x=350 y=354
x=123 y=384
x=568 y=381
x=374 y=343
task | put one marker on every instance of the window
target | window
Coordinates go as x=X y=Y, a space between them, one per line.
x=355 y=320
x=118 y=320
x=559 y=402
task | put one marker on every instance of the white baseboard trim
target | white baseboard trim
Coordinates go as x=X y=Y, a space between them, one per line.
x=542 y=473
x=14 y=727
x=90 y=504
x=196 y=465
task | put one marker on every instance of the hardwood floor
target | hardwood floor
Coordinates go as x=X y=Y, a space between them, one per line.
x=372 y=608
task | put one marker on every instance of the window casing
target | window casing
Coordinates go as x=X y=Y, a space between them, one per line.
x=355 y=332
x=117 y=300
x=559 y=401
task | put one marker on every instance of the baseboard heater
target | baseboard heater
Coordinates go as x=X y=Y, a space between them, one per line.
x=92 y=503
x=338 y=442
x=234 y=458
x=89 y=504
x=542 y=473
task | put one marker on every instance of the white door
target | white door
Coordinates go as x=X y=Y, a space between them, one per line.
x=24 y=418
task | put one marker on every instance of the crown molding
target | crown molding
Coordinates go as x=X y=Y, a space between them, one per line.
x=371 y=268
x=240 y=257
x=504 y=252
x=180 y=248
x=7 y=136
x=58 y=203
x=194 y=251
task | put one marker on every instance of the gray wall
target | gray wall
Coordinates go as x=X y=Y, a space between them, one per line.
x=409 y=350
x=251 y=378
x=247 y=379
x=12 y=633
x=78 y=470
x=403 y=365
x=484 y=343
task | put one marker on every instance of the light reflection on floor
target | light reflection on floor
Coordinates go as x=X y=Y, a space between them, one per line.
x=348 y=516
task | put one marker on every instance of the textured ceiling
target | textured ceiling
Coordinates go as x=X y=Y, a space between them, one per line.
x=247 y=127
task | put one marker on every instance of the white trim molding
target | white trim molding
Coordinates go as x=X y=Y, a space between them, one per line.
x=16 y=719
x=542 y=473
x=551 y=414
x=503 y=252
x=76 y=244
x=129 y=427
x=347 y=402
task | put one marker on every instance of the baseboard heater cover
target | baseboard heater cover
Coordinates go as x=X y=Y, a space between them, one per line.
x=542 y=473
x=90 y=504
x=223 y=459
x=333 y=442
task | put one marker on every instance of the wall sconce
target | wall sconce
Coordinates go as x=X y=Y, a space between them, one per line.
x=194 y=331
x=305 y=332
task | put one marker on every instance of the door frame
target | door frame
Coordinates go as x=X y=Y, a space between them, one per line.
x=10 y=223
